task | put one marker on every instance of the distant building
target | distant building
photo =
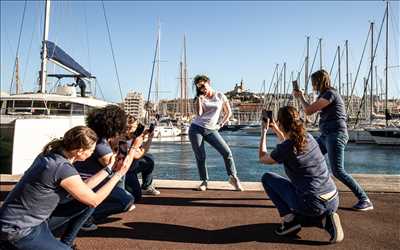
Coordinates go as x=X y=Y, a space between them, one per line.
x=173 y=108
x=134 y=104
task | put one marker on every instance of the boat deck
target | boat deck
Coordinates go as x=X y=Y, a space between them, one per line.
x=222 y=219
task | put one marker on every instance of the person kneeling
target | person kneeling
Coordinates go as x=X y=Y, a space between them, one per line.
x=308 y=196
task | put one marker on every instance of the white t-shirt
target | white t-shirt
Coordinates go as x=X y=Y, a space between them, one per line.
x=211 y=111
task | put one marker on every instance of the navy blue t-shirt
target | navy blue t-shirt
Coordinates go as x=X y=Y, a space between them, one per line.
x=91 y=165
x=332 y=117
x=307 y=171
x=35 y=196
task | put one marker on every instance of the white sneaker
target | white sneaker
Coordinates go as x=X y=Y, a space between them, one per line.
x=234 y=181
x=203 y=186
x=131 y=207
x=150 y=191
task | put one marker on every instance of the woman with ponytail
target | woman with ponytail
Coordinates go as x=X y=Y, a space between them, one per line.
x=333 y=128
x=308 y=196
x=52 y=194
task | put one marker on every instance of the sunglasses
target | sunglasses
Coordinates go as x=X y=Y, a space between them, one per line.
x=200 y=85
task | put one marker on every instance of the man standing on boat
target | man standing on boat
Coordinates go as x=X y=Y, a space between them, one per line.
x=81 y=84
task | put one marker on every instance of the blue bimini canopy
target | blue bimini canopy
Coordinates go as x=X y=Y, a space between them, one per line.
x=59 y=56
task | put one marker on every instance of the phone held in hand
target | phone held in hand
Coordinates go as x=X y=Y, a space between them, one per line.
x=151 y=128
x=139 y=130
x=122 y=149
x=295 y=85
x=266 y=114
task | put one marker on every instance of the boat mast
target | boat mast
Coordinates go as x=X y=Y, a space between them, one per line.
x=185 y=79
x=320 y=53
x=339 y=72
x=386 y=63
x=371 y=100
x=347 y=69
x=43 y=67
x=17 y=82
x=158 y=67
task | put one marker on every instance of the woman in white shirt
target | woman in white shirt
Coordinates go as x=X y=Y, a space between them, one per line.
x=208 y=105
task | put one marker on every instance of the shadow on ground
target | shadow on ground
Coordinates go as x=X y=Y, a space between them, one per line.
x=203 y=202
x=185 y=234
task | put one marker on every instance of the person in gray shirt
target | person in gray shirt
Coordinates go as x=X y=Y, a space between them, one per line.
x=333 y=128
x=41 y=200
x=308 y=193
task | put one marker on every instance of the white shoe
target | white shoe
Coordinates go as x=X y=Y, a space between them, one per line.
x=150 y=191
x=234 y=181
x=131 y=207
x=203 y=186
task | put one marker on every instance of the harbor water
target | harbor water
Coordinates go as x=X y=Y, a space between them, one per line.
x=175 y=160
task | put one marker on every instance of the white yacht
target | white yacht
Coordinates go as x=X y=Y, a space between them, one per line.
x=30 y=120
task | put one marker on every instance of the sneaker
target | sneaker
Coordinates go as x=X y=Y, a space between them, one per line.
x=332 y=225
x=89 y=225
x=363 y=205
x=234 y=181
x=203 y=186
x=131 y=207
x=150 y=191
x=288 y=228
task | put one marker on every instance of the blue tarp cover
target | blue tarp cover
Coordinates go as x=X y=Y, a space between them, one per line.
x=57 y=54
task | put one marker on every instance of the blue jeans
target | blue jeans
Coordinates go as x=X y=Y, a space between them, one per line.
x=145 y=166
x=71 y=215
x=197 y=136
x=334 y=144
x=283 y=194
x=118 y=201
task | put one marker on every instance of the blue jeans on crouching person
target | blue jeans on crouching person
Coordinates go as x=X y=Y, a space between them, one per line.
x=283 y=194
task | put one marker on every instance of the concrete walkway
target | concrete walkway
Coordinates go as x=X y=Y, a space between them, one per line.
x=222 y=219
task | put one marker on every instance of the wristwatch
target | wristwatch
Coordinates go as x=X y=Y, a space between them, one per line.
x=108 y=170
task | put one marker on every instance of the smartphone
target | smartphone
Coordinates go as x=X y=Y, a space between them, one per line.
x=122 y=148
x=151 y=128
x=295 y=85
x=266 y=114
x=139 y=130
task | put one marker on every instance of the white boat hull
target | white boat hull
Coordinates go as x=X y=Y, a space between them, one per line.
x=166 y=131
x=31 y=135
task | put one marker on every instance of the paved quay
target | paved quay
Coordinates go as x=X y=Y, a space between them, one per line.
x=181 y=218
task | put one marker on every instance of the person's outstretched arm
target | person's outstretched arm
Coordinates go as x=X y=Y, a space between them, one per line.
x=263 y=155
x=310 y=108
x=147 y=144
x=75 y=186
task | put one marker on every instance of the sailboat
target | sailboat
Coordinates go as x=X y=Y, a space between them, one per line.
x=30 y=120
x=164 y=127
x=389 y=135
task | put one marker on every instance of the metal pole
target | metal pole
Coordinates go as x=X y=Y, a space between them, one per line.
x=386 y=64
x=306 y=66
x=347 y=68
x=340 y=76
x=43 y=67
x=371 y=100
x=320 y=53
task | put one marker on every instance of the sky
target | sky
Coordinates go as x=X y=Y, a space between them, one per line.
x=229 y=41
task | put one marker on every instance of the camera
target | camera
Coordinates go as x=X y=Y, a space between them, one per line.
x=295 y=85
x=266 y=114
